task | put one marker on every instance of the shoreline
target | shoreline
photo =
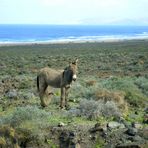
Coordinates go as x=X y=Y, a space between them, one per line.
x=67 y=42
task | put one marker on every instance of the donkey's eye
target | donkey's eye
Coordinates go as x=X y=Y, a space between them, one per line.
x=74 y=63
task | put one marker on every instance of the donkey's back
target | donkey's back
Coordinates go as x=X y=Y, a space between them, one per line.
x=51 y=76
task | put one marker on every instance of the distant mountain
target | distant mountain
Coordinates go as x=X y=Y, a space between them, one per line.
x=114 y=21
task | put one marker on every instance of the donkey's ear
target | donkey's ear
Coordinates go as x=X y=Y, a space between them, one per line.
x=75 y=62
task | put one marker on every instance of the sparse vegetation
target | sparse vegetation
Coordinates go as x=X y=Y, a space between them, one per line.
x=27 y=116
x=112 y=84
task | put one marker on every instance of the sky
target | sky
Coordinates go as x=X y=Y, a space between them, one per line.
x=74 y=12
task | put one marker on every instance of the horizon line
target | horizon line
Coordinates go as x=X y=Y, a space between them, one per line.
x=73 y=24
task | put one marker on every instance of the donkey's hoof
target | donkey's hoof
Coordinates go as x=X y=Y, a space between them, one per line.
x=61 y=107
x=67 y=107
x=51 y=94
x=43 y=106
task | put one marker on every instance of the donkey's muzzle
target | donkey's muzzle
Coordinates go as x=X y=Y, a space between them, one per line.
x=74 y=77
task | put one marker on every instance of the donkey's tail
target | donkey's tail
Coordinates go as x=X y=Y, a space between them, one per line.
x=38 y=83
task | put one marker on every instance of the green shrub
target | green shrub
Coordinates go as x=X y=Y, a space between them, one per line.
x=142 y=84
x=128 y=85
x=22 y=114
x=135 y=99
x=83 y=88
x=78 y=91
x=94 y=109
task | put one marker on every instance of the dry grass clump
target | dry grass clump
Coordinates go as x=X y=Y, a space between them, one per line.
x=91 y=83
x=8 y=137
x=134 y=88
x=117 y=96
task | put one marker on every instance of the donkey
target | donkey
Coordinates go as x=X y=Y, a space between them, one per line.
x=57 y=79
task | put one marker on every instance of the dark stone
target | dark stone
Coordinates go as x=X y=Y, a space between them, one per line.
x=96 y=128
x=72 y=134
x=145 y=119
x=131 y=138
x=133 y=124
x=137 y=139
x=69 y=139
x=128 y=146
x=146 y=110
x=131 y=131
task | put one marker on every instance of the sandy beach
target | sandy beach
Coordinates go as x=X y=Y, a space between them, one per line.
x=67 y=42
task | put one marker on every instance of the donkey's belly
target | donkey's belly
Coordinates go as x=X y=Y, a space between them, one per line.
x=55 y=82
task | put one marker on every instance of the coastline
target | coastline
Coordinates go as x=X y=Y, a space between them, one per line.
x=67 y=42
x=44 y=35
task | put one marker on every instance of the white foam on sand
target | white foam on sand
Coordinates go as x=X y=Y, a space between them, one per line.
x=80 y=39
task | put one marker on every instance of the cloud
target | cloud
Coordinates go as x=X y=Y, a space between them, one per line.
x=74 y=11
x=53 y=2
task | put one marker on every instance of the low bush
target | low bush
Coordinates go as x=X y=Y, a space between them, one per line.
x=79 y=90
x=94 y=109
x=22 y=114
x=133 y=94
x=116 y=96
x=142 y=84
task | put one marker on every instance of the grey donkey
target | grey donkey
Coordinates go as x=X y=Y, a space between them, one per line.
x=57 y=79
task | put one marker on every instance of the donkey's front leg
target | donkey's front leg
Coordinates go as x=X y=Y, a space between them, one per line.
x=66 y=98
x=62 y=97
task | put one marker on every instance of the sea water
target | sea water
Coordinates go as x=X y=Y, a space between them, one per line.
x=69 y=33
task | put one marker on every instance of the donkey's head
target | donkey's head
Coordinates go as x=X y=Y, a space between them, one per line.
x=70 y=72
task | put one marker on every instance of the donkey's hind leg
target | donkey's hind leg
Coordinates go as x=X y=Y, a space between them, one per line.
x=42 y=95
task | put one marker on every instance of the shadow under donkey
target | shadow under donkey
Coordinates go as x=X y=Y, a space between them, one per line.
x=57 y=79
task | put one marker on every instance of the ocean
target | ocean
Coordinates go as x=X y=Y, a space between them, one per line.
x=69 y=33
